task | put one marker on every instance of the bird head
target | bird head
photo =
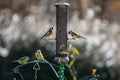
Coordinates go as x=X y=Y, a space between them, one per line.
x=38 y=51
x=27 y=58
x=69 y=32
x=62 y=47
x=51 y=28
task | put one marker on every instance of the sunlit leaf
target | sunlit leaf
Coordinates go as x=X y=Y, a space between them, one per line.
x=94 y=71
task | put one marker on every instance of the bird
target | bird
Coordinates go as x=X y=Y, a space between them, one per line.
x=39 y=55
x=75 y=35
x=48 y=33
x=61 y=54
x=22 y=60
x=62 y=50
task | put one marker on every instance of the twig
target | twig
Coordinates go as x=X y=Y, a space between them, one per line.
x=36 y=69
x=30 y=62
x=19 y=74
x=85 y=78
x=36 y=74
x=37 y=61
x=52 y=68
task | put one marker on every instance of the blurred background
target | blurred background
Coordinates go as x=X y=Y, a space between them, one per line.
x=23 y=22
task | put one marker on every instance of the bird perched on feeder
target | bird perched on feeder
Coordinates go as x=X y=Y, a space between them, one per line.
x=48 y=33
x=61 y=54
x=75 y=35
x=39 y=55
x=61 y=50
x=22 y=60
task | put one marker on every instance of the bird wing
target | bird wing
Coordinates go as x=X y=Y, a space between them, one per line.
x=47 y=34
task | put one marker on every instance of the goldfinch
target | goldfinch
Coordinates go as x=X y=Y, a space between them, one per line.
x=75 y=35
x=62 y=50
x=48 y=33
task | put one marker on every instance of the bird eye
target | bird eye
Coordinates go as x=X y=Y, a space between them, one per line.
x=69 y=32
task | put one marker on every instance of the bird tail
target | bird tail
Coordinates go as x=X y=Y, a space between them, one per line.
x=14 y=61
x=42 y=37
x=83 y=38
